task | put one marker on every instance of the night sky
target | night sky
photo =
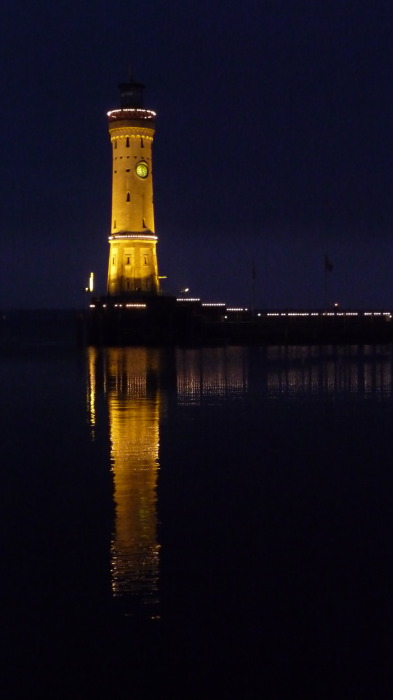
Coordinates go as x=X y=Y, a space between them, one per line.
x=274 y=143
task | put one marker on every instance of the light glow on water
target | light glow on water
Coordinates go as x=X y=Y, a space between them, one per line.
x=242 y=404
x=134 y=438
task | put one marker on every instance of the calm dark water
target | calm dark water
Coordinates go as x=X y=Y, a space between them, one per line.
x=197 y=523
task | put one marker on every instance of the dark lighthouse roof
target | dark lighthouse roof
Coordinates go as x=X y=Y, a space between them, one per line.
x=131 y=94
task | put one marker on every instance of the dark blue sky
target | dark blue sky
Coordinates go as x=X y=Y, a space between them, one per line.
x=274 y=142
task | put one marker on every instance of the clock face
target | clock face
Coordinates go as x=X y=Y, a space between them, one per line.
x=142 y=170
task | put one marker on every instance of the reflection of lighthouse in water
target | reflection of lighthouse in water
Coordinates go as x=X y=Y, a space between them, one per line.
x=134 y=435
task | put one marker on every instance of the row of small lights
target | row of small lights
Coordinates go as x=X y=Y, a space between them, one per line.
x=128 y=306
x=292 y=313
x=219 y=303
x=130 y=134
x=328 y=313
x=141 y=236
x=270 y=314
x=187 y=299
x=149 y=112
x=140 y=306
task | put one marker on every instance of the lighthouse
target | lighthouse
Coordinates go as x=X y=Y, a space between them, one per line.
x=132 y=268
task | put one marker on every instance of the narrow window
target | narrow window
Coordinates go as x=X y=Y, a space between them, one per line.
x=114 y=223
x=128 y=197
x=145 y=259
x=143 y=222
x=113 y=260
x=128 y=260
x=115 y=144
x=142 y=144
x=127 y=142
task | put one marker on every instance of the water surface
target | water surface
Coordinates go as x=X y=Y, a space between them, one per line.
x=197 y=522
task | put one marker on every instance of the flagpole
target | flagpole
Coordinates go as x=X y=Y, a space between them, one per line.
x=253 y=287
x=328 y=267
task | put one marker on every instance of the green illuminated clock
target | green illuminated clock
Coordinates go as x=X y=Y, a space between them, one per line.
x=142 y=170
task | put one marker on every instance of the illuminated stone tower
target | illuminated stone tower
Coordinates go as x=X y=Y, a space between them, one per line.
x=132 y=266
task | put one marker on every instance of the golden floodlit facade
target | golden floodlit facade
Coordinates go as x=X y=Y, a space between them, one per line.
x=133 y=268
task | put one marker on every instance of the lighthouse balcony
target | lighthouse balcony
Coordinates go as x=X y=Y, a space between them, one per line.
x=144 y=235
x=129 y=114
